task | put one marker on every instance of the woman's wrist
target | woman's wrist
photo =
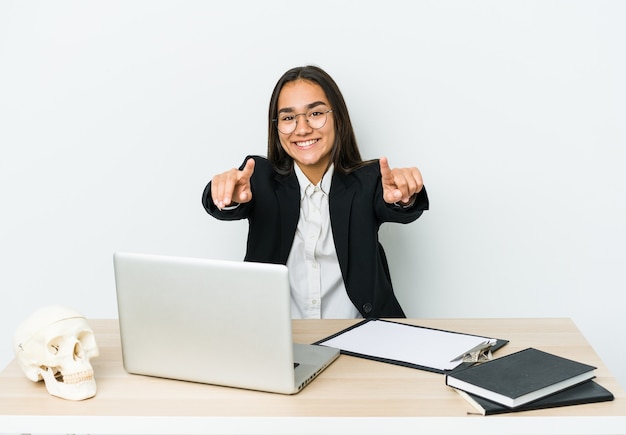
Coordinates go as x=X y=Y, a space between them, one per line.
x=407 y=204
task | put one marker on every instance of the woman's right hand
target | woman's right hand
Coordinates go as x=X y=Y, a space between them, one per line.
x=232 y=186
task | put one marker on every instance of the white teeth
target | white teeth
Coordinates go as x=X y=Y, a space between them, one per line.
x=307 y=143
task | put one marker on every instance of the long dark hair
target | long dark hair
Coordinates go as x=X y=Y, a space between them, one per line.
x=345 y=154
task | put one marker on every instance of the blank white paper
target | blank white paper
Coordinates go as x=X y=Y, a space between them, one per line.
x=407 y=343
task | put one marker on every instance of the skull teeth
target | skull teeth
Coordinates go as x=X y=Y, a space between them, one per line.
x=75 y=378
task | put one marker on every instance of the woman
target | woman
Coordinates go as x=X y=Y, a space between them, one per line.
x=316 y=206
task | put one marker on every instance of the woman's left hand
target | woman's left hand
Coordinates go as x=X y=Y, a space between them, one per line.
x=399 y=184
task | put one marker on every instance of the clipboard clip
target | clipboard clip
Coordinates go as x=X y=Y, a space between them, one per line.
x=479 y=353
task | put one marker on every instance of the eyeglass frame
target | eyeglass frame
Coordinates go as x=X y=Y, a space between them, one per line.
x=295 y=116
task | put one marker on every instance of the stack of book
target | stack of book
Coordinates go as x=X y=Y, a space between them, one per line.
x=525 y=380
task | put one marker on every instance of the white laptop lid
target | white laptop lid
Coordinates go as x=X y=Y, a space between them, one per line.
x=211 y=321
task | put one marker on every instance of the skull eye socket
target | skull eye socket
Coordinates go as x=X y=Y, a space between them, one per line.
x=54 y=345
x=61 y=344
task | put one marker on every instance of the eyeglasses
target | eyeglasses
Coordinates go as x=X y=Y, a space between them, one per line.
x=287 y=122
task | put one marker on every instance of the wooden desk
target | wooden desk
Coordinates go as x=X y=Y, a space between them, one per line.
x=353 y=396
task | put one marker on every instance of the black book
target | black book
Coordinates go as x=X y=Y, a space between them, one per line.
x=521 y=377
x=587 y=392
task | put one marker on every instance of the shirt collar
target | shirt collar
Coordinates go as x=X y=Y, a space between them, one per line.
x=304 y=182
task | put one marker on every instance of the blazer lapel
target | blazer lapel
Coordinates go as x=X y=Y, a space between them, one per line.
x=288 y=194
x=340 y=203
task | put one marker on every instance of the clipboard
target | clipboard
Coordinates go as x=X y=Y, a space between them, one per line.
x=413 y=346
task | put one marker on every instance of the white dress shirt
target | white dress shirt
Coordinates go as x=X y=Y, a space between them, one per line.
x=317 y=287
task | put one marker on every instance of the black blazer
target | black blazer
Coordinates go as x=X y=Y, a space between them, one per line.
x=357 y=210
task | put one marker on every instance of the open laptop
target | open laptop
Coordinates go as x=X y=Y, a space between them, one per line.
x=212 y=321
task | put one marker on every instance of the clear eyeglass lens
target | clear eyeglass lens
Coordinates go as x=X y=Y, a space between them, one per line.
x=316 y=118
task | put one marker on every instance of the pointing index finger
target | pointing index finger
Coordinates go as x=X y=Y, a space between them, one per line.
x=384 y=166
x=248 y=169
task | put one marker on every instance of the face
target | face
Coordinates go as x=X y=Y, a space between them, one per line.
x=309 y=147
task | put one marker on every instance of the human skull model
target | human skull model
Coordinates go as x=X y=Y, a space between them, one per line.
x=56 y=344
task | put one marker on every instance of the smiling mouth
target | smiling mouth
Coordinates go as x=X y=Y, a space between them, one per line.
x=306 y=143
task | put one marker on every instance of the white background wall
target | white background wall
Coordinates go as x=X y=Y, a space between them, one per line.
x=114 y=115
